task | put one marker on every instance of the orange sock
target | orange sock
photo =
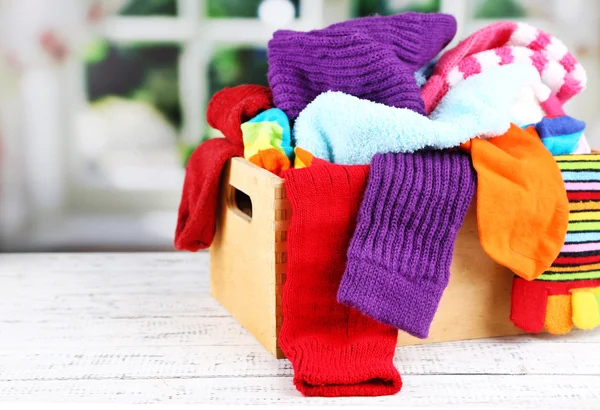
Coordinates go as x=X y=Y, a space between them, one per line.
x=303 y=159
x=272 y=160
x=522 y=205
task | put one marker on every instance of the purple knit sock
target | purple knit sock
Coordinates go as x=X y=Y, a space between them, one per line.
x=373 y=58
x=400 y=255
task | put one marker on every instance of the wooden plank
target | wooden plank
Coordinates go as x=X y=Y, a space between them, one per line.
x=196 y=361
x=168 y=329
x=141 y=332
x=88 y=306
x=92 y=305
x=107 y=262
x=581 y=392
x=142 y=329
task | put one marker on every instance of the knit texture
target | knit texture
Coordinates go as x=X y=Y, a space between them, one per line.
x=226 y=111
x=344 y=129
x=505 y=43
x=334 y=350
x=400 y=255
x=568 y=292
x=374 y=58
x=522 y=209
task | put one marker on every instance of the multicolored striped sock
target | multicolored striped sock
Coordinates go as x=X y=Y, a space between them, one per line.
x=267 y=141
x=569 y=292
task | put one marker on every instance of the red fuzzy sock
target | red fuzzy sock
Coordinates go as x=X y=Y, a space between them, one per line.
x=227 y=110
x=199 y=200
x=231 y=107
x=334 y=349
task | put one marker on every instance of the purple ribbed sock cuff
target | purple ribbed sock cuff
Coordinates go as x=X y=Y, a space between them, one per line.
x=399 y=257
x=373 y=58
x=393 y=300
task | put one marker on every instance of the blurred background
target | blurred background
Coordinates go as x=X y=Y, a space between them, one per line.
x=102 y=101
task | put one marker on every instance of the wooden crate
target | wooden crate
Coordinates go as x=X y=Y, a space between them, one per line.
x=248 y=265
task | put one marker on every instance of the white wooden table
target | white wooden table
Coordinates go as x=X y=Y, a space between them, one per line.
x=142 y=328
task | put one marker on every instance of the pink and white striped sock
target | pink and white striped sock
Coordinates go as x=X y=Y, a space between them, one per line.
x=505 y=43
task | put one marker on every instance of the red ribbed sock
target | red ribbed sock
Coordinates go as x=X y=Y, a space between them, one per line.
x=227 y=110
x=334 y=349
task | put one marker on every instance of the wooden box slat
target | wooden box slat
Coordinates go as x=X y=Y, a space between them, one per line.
x=248 y=264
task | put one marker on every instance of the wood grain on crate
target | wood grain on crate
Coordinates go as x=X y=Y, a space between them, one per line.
x=248 y=255
x=249 y=264
x=142 y=328
x=283 y=213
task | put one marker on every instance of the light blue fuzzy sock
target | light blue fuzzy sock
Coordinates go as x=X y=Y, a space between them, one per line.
x=344 y=129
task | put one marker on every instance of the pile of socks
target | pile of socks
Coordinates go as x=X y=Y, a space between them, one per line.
x=384 y=141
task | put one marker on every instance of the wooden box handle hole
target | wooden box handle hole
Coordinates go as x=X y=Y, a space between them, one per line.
x=240 y=203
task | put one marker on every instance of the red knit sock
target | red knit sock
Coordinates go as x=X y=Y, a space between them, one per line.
x=334 y=349
x=227 y=110
x=303 y=159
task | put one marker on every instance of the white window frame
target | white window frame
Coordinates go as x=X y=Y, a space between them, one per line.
x=63 y=213
x=54 y=209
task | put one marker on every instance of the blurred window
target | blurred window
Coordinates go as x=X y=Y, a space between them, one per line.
x=231 y=66
x=139 y=109
x=497 y=9
x=363 y=8
x=149 y=8
x=127 y=137
x=238 y=8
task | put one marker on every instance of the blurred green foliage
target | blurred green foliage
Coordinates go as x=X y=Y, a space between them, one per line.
x=248 y=8
x=361 y=8
x=149 y=8
x=95 y=51
x=500 y=9
x=234 y=66
x=236 y=8
x=138 y=71
x=185 y=151
x=231 y=8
